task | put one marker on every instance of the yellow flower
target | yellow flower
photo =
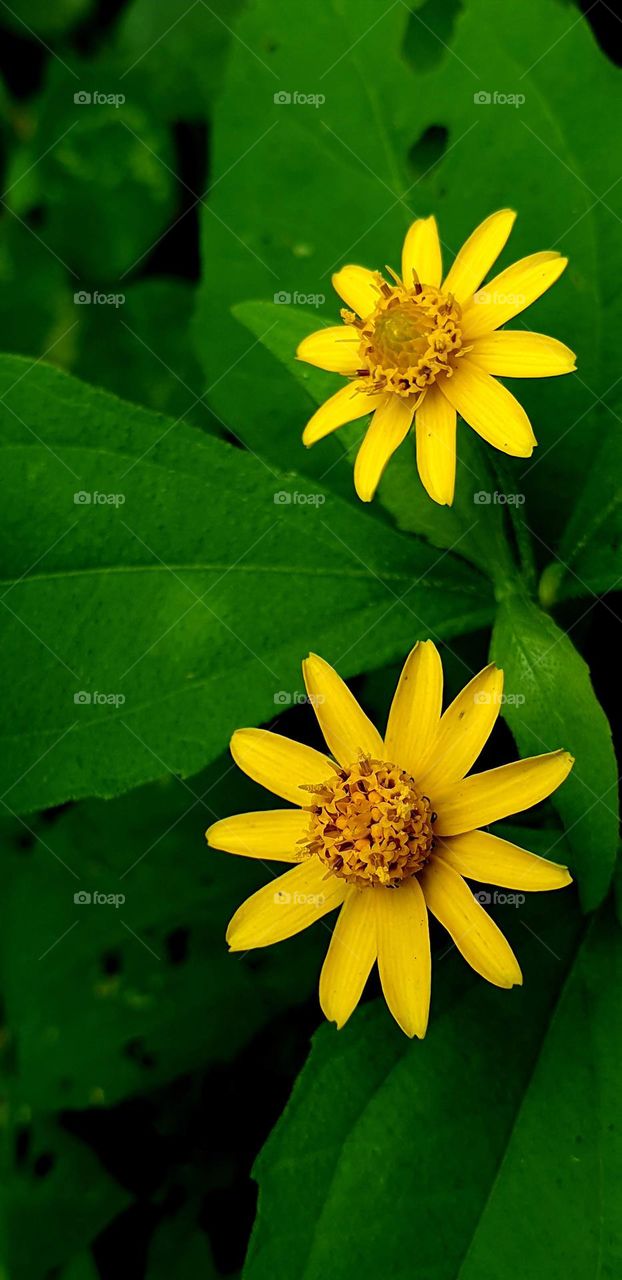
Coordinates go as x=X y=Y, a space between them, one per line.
x=387 y=833
x=416 y=347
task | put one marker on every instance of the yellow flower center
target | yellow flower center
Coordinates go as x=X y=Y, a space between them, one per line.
x=370 y=825
x=412 y=337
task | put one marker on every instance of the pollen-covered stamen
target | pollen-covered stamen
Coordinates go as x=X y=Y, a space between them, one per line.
x=412 y=337
x=370 y=825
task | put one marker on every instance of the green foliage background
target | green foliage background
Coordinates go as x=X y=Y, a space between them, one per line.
x=168 y=227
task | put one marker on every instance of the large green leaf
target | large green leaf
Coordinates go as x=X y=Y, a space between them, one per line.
x=125 y=990
x=321 y=185
x=397 y=1144
x=192 y=595
x=550 y=703
x=43 y=1219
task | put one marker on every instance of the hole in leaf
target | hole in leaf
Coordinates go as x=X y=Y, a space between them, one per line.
x=429 y=33
x=428 y=149
x=177 y=945
x=112 y=962
x=44 y=1164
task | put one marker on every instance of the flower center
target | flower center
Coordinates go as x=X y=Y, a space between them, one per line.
x=370 y=825
x=412 y=337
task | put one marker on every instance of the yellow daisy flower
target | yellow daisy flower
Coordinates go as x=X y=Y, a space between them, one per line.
x=386 y=831
x=418 y=348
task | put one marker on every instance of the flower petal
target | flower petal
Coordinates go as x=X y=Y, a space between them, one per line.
x=511 y=292
x=435 y=426
x=477 y=936
x=416 y=708
x=463 y=731
x=389 y=426
x=404 y=954
x=478 y=254
x=269 y=834
x=285 y=906
x=347 y=730
x=359 y=289
x=350 y=957
x=490 y=409
x=422 y=253
x=513 y=353
x=481 y=856
x=487 y=797
x=335 y=348
x=346 y=405
x=279 y=764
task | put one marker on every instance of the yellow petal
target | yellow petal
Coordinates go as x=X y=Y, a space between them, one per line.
x=512 y=353
x=422 y=254
x=335 y=348
x=416 y=708
x=359 y=289
x=435 y=426
x=389 y=426
x=482 y=944
x=285 y=906
x=490 y=409
x=497 y=793
x=478 y=254
x=279 y=764
x=271 y=834
x=347 y=730
x=346 y=405
x=463 y=731
x=480 y=856
x=404 y=954
x=510 y=293
x=350 y=957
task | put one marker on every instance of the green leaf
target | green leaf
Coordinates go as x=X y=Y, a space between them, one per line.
x=43 y=1223
x=589 y=556
x=550 y=703
x=141 y=349
x=28 y=17
x=120 y=993
x=192 y=595
x=397 y=1144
